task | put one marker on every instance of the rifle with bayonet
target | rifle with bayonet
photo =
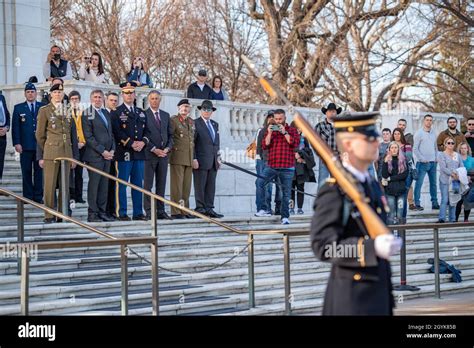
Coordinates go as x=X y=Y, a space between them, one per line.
x=374 y=225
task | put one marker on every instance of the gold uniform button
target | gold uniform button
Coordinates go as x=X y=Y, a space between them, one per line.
x=379 y=210
x=357 y=277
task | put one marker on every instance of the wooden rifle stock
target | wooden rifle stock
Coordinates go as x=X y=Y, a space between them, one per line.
x=374 y=225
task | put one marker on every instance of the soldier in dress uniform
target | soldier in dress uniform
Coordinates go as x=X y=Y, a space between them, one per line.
x=181 y=158
x=360 y=282
x=128 y=123
x=24 y=141
x=56 y=137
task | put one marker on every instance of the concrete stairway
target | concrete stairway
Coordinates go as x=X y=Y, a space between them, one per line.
x=86 y=281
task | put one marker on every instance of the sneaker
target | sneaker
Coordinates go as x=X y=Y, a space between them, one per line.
x=300 y=212
x=440 y=221
x=292 y=212
x=262 y=213
x=435 y=207
x=412 y=207
x=419 y=208
x=285 y=221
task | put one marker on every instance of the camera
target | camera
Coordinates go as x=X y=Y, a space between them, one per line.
x=275 y=128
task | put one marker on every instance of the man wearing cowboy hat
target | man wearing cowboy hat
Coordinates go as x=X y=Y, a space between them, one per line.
x=205 y=163
x=325 y=129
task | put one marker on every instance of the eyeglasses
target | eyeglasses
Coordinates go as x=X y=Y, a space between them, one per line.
x=207 y=109
x=450 y=143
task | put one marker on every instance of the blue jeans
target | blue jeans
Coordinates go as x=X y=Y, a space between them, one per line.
x=444 y=188
x=408 y=182
x=395 y=204
x=323 y=173
x=263 y=202
x=285 y=175
x=422 y=169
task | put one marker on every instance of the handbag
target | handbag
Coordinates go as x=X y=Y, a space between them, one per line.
x=470 y=195
x=412 y=169
x=251 y=150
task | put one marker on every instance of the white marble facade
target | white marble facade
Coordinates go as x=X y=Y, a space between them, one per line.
x=25 y=35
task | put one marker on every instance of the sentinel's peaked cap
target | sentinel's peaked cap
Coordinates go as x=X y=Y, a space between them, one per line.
x=358 y=122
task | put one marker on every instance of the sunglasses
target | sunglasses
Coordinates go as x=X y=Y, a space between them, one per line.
x=470 y=124
x=450 y=143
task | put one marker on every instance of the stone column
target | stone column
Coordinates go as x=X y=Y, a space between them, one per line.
x=24 y=39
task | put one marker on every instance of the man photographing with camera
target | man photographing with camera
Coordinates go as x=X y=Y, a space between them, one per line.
x=55 y=66
x=280 y=140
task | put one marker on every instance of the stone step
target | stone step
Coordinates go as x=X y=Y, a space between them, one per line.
x=218 y=290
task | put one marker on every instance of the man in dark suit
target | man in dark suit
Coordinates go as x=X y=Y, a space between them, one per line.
x=100 y=147
x=159 y=139
x=205 y=163
x=23 y=138
x=4 y=128
x=111 y=103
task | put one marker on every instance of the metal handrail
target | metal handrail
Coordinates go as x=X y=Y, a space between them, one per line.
x=286 y=234
x=51 y=211
x=24 y=259
x=25 y=249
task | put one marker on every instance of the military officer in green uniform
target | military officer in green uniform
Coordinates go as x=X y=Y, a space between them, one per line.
x=181 y=158
x=56 y=137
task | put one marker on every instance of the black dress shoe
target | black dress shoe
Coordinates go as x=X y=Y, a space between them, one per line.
x=201 y=211
x=178 y=217
x=124 y=218
x=189 y=216
x=105 y=217
x=163 y=216
x=93 y=218
x=140 y=217
x=49 y=220
x=80 y=201
x=113 y=217
x=211 y=213
x=440 y=221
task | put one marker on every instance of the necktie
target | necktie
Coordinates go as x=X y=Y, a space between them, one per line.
x=157 y=119
x=32 y=108
x=2 y=115
x=99 y=111
x=211 y=130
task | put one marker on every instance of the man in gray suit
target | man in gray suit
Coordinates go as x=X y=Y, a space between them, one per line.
x=159 y=141
x=205 y=163
x=100 y=147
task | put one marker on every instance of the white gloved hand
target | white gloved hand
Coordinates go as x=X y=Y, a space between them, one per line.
x=387 y=245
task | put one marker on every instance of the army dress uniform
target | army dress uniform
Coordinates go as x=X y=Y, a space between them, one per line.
x=23 y=133
x=361 y=284
x=56 y=137
x=129 y=126
x=181 y=160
